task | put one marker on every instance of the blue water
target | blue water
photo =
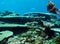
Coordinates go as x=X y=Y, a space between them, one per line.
x=23 y=6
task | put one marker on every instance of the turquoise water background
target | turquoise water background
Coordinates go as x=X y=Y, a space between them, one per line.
x=23 y=6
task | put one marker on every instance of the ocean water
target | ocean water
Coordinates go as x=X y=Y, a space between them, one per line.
x=24 y=6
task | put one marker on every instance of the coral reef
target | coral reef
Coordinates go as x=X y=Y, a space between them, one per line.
x=40 y=28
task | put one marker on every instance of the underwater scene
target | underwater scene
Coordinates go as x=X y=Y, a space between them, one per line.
x=29 y=22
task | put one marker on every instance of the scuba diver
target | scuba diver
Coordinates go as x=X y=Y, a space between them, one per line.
x=52 y=8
